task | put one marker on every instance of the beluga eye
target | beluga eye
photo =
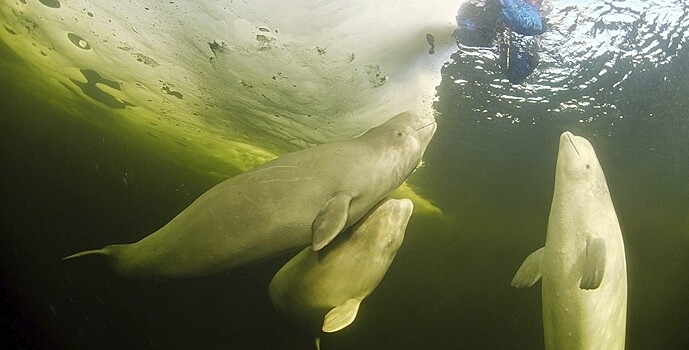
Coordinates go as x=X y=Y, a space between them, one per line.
x=588 y=166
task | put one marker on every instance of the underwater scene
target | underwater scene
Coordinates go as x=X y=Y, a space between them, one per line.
x=344 y=174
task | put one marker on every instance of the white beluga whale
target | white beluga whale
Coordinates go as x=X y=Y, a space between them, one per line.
x=322 y=291
x=305 y=197
x=582 y=265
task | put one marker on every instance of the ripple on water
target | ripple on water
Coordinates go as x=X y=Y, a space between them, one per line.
x=590 y=49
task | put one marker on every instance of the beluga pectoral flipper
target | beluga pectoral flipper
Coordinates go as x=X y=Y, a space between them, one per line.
x=594 y=264
x=582 y=266
x=530 y=271
x=330 y=221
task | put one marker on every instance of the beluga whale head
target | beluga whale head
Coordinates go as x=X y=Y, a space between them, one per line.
x=403 y=138
x=387 y=233
x=379 y=234
x=578 y=168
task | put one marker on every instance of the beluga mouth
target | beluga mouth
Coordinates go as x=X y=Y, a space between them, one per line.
x=427 y=125
x=569 y=137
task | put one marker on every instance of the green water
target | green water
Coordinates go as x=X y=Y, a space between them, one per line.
x=77 y=178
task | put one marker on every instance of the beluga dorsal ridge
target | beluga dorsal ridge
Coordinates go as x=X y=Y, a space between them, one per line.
x=582 y=265
x=302 y=198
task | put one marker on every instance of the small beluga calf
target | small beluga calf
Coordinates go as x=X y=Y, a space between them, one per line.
x=322 y=291
x=305 y=197
x=582 y=266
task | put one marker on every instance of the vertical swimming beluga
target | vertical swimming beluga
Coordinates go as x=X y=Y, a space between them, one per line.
x=582 y=266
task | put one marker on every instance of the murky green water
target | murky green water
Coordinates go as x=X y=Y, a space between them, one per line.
x=79 y=177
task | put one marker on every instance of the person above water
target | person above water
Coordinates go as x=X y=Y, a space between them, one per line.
x=523 y=16
x=508 y=25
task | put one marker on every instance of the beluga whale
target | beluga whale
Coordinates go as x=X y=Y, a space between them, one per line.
x=322 y=291
x=582 y=265
x=305 y=197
